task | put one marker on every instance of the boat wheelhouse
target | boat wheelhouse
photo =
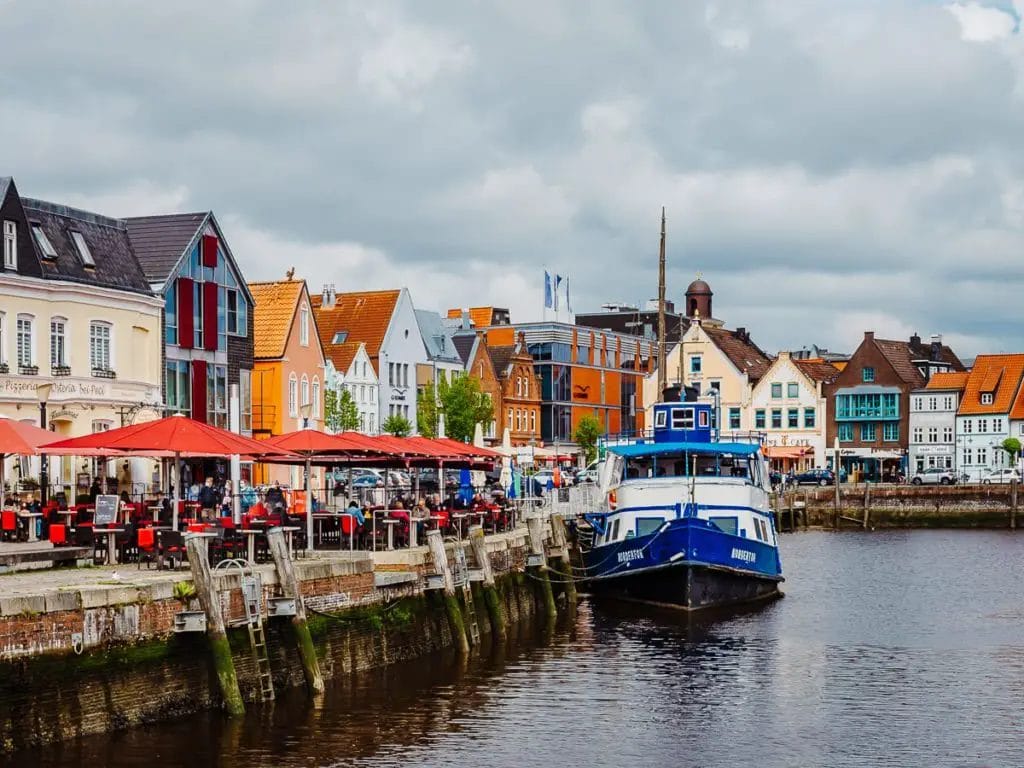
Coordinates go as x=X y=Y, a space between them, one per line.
x=689 y=522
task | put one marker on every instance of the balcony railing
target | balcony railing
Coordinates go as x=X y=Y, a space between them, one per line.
x=28 y=370
x=4 y=368
x=103 y=373
x=867 y=414
x=61 y=370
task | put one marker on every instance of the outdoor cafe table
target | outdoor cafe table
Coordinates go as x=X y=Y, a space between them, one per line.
x=154 y=510
x=69 y=516
x=320 y=517
x=289 y=530
x=459 y=517
x=31 y=518
x=111 y=534
x=390 y=522
x=251 y=534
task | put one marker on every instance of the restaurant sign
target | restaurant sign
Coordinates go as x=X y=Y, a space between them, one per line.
x=68 y=389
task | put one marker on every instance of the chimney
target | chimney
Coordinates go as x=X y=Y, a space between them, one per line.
x=869 y=335
x=466 y=322
x=328 y=297
x=915 y=340
x=936 y=347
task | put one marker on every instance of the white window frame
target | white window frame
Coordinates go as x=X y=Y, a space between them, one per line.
x=986 y=398
x=304 y=391
x=316 y=397
x=293 y=395
x=49 y=252
x=84 y=253
x=94 y=326
x=30 y=319
x=304 y=325
x=3 y=337
x=61 y=359
x=10 y=244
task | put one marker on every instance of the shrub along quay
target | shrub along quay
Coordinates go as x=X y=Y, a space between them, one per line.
x=86 y=651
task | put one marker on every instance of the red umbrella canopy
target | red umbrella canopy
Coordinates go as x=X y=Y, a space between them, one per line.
x=464 y=449
x=311 y=442
x=430 y=447
x=178 y=434
x=21 y=438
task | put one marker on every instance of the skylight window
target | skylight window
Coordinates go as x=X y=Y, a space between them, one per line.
x=44 y=242
x=339 y=337
x=83 y=249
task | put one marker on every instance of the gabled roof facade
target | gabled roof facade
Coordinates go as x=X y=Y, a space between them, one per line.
x=817 y=370
x=362 y=316
x=742 y=352
x=161 y=241
x=948 y=381
x=274 y=315
x=995 y=376
x=437 y=338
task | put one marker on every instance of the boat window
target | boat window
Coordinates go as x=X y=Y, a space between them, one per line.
x=660 y=417
x=615 y=530
x=682 y=418
x=645 y=526
x=703 y=415
x=757 y=530
x=725 y=524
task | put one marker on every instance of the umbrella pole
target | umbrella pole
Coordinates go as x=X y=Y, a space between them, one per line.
x=309 y=506
x=177 y=489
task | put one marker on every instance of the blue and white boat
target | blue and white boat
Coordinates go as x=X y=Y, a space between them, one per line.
x=689 y=521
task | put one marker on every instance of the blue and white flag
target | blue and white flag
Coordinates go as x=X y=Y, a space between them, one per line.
x=568 y=304
x=549 y=300
x=558 y=282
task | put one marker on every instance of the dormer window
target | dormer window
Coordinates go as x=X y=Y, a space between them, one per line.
x=49 y=252
x=339 y=338
x=10 y=245
x=987 y=398
x=83 y=249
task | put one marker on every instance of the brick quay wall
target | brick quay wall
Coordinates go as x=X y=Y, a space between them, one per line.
x=906 y=506
x=104 y=656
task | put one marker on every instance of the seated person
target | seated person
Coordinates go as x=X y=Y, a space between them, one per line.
x=357 y=513
x=275 y=497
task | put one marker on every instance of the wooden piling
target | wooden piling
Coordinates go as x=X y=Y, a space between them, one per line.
x=1013 y=505
x=278 y=546
x=456 y=623
x=199 y=561
x=492 y=600
x=560 y=540
x=540 y=572
x=867 y=504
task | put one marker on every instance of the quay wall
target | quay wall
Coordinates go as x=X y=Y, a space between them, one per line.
x=104 y=658
x=907 y=506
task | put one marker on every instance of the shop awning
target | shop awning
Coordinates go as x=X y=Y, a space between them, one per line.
x=787 y=451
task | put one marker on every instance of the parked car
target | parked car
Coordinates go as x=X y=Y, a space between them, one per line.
x=934 y=476
x=815 y=477
x=1000 y=476
x=588 y=475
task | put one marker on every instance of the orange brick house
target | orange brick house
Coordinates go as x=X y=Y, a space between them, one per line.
x=473 y=350
x=288 y=369
x=520 y=391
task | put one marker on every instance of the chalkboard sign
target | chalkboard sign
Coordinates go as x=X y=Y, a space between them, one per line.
x=106 y=511
x=563 y=495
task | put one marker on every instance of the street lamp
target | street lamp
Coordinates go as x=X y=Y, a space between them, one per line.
x=305 y=409
x=43 y=394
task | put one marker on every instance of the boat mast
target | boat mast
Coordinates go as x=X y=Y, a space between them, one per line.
x=662 y=373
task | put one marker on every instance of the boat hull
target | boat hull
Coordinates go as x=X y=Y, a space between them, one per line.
x=687 y=563
x=688 y=587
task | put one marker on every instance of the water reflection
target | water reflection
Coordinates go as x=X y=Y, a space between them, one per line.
x=889 y=650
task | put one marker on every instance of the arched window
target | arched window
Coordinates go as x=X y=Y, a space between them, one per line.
x=526 y=386
x=316 y=397
x=293 y=395
x=305 y=391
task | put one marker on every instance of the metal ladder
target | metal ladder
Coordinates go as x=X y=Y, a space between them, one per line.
x=462 y=580
x=252 y=595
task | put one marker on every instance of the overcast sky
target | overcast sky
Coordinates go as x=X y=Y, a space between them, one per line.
x=830 y=166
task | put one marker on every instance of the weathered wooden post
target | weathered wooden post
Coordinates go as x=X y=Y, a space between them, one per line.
x=835 y=472
x=495 y=610
x=867 y=502
x=560 y=540
x=451 y=603
x=199 y=560
x=290 y=587
x=1013 y=504
x=540 y=572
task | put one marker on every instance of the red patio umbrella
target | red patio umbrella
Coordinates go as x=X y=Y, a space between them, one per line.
x=308 y=443
x=177 y=434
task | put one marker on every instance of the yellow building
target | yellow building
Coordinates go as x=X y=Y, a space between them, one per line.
x=78 y=325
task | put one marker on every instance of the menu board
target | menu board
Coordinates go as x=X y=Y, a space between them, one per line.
x=106 y=511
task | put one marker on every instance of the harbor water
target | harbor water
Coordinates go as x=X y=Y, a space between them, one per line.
x=889 y=649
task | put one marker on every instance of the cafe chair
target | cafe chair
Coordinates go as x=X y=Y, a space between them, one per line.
x=146 y=543
x=171 y=546
x=8 y=525
x=58 y=534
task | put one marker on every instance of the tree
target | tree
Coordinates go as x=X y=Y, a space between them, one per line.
x=464 y=406
x=427 y=411
x=1012 y=446
x=341 y=414
x=397 y=425
x=587 y=432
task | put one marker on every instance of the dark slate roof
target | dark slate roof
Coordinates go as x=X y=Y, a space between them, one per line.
x=464 y=345
x=160 y=241
x=501 y=357
x=111 y=248
x=5 y=184
x=741 y=350
x=902 y=356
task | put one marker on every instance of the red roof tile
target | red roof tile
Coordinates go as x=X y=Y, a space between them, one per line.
x=999 y=375
x=273 y=315
x=363 y=316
